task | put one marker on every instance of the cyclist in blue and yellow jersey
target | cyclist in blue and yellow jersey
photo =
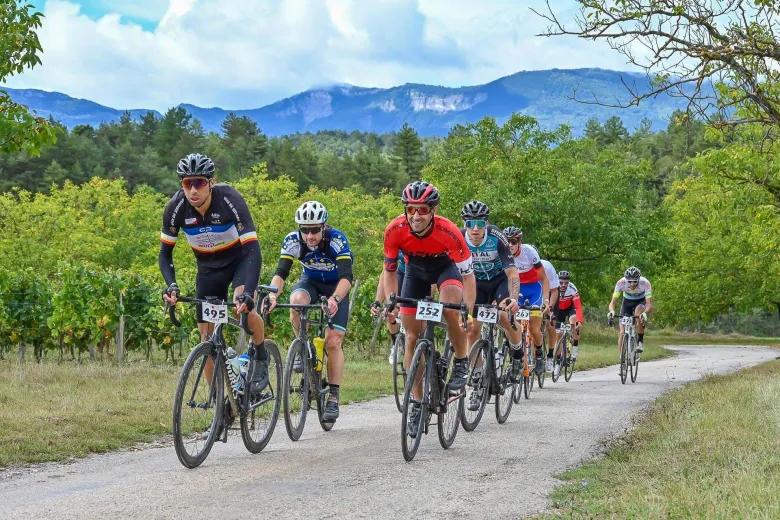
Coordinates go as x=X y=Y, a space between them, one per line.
x=327 y=259
x=217 y=224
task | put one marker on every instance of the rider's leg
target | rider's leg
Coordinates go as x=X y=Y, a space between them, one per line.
x=298 y=297
x=575 y=337
x=413 y=330
x=640 y=327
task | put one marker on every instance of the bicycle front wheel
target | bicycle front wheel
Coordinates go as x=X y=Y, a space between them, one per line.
x=296 y=389
x=568 y=365
x=322 y=387
x=635 y=361
x=450 y=413
x=262 y=408
x=559 y=364
x=417 y=370
x=197 y=407
x=399 y=370
x=477 y=385
x=541 y=375
x=624 y=359
x=504 y=399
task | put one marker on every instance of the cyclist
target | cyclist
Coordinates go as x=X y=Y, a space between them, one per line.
x=637 y=301
x=393 y=325
x=326 y=258
x=552 y=276
x=496 y=276
x=437 y=254
x=534 y=286
x=569 y=308
x=217 y=224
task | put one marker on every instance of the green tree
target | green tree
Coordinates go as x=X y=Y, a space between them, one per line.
x=19 y=48
x=407 y=154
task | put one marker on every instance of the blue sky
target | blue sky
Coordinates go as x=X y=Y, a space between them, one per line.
x=239 y=54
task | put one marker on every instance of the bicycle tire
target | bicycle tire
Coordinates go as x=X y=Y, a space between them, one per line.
x=408 y=448
x=504 y=399
x=540 y=377
x=479 y=350
x=634 y=364
x=250 y=418
x=399 y=370
x=450 y=414
x=322 y=395
x=528 y=382
x=568 y=367
x=520 y=384
x=216 y=393
x=295 y=427
x=624 y=359
x=558 y=360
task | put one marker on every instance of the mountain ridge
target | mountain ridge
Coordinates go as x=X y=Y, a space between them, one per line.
x=430 y=109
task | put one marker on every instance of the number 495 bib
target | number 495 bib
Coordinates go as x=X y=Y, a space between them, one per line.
x=215 y=313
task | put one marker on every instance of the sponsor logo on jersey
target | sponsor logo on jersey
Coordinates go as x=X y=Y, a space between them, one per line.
x=190 y=221
x=215 y=215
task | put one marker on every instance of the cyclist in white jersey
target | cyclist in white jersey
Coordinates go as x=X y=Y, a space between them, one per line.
x=637 y=300
x=552 y=276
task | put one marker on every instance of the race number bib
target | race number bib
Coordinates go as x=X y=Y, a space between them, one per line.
x=215 y=313
x=523 y=315
x=487 y=314
x=429 y=311
x=565 y=327
x=626 y=320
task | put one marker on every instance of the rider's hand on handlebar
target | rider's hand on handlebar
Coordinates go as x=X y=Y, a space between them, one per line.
x=269 y=303
x=244 y=303
x=610 y=315
x=333 y=306
x=545 y=306
x=578 y=325
x=171 y=293
x=644 y=317
x=511 y=306
x=375 y=308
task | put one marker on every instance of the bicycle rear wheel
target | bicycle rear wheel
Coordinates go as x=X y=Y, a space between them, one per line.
x=450 y=413
x=399 y=370
x=322 y=393
x=197 y=407
x=624 y=359
x=258 y=424
x=417 y=369
x=635 y=363
x=543 y=374
x=528 y=381
x=477 y=385
x=296 y=389
x=559 y=363
x=505 y=397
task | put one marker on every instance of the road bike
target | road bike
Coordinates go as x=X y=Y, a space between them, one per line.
x=529 y=358
x=563 y=362
x=629 y=357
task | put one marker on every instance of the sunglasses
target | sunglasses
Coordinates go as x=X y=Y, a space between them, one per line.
x=188 y=184
x=513 y=241
x=480 y=224
x=310 y=230
x=633 y=282
x=421 y=210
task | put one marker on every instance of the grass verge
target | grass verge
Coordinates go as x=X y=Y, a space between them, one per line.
x=710 y=449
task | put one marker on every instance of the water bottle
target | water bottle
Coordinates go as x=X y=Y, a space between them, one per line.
x=243 y=366
x=319 y=348
x=234 y=370
x=499 y=359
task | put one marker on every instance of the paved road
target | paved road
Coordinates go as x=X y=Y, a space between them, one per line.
x=357 y=470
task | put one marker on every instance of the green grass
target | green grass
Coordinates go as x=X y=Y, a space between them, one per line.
x=710 y=449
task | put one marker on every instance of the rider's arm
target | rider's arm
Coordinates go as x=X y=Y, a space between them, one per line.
x=545 y=283
x=470 y=289
x=253 y=267
x=553 y=296
x=380 y=287
x=577 y=306
x=649 y=296
x=514 y=282
x=168 y=237
x=165 y=260
x=343 y=253
x=649 y=305
x=282 y=272
x=612 y=303
x=508 y=263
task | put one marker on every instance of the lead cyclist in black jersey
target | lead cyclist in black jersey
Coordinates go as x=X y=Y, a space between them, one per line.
x=217 y=224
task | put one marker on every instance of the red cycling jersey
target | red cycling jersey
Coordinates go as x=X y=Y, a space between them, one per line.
x=444 y=240
x=571 y=296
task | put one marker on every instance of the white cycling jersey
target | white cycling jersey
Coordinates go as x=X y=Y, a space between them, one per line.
x=552 y=275
x=642 y=289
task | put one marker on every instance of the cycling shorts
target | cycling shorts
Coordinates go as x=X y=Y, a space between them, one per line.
x=563 y=315
x=215 y=281
x=417 y=283
x=628 y=306
x=496 y=290
x=316 y=289
x=531 y=292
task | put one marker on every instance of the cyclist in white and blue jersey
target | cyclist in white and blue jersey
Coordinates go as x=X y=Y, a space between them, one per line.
x=496 y=274
x=326 y=258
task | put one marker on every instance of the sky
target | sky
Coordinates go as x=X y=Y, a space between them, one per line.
x=239 y=54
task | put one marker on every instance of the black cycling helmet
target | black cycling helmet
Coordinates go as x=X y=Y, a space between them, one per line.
x=420 y=192
x=564 y=275
x=633 y=273
x=195 y=165
x=475 y=210
x=513 y=232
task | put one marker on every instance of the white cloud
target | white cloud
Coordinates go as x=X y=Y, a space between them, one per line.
x=247 y=53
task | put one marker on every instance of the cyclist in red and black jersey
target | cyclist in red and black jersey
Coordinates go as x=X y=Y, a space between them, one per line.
x=438 y=254
x=569 y=308
x=217 y=224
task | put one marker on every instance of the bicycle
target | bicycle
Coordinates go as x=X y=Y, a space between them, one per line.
x=529 y=357
x=399 y=370
x=562 y=354
x=629 y=357
x=215 y=409
x=436 y=396
x=540 y=377
x=304 y=380
x=489 y=375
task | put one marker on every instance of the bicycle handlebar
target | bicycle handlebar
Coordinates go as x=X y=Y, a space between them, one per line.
x=322 y=305
x=242 y=322
x=464 y=311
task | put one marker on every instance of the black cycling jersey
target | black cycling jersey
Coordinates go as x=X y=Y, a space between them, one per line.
x=218 y=238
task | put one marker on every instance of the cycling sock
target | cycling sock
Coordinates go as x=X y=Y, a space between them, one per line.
x=258 y=353
x=464 y=360
x=575 y=342
x=334 y=392
x=539 y=351
x=549 y=354
x=641 y=337
x=517 y=353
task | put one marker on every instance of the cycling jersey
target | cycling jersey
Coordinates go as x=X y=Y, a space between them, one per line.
x=319 y=264
x=443 y=244
x=568 y=299
x=528 y=262
x=641 y=291
x=217 y=237
x=552 y=275
x=491 y=258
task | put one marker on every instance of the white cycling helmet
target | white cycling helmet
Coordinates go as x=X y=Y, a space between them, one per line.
x=311 y=213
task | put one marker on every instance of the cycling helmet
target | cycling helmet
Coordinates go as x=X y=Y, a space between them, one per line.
x=633 y=273
x=513 y=232
x=195 y=165
x=420 y=192
x=311 y=213
x=564 y=275
x=475 y=210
